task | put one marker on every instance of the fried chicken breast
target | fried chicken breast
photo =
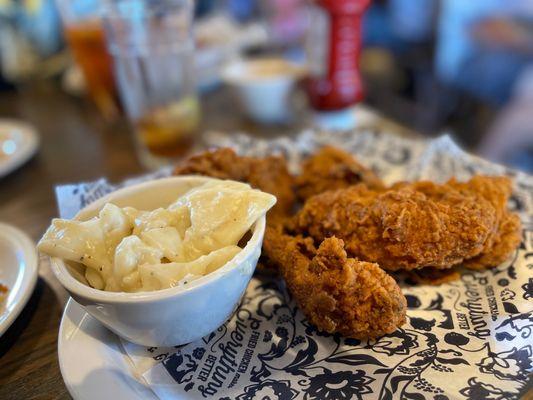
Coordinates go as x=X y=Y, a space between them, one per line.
x=337 y=294
x=331 y=168
x=506 y=236
x=407 y=227
x=269 y=174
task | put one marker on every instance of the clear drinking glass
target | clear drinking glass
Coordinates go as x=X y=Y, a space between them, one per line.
x=85 y=35
x=153 y=49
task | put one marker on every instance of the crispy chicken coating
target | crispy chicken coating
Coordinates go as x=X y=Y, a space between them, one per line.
x=407 y=227
x=505 y=243
x=269 y=174
x=507 y=235
x=331 y=168
x=337 y=294
x=221 y=163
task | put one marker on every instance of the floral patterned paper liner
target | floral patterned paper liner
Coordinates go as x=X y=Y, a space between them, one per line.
x=466 y=339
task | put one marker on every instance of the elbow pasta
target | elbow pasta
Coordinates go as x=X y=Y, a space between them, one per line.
x=125 y=249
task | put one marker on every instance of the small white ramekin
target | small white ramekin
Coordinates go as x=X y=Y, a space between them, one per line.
x=265 y=99
x=172 y=316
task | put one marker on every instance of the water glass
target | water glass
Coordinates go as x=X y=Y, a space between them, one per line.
x=153 y=53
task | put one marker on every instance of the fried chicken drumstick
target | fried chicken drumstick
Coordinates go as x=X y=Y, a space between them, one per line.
x=415 y=225
x=331 y=168
x=336 y=293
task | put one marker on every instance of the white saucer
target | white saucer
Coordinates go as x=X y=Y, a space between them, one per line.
x=18 y=143
x=18 y=271
x=92 y=362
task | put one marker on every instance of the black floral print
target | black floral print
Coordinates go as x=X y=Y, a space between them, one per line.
x=528 y=289
x=398 y=342
x=479 y=390
x=422 y=324
x=198 y=353
x=456 y=339
x=508 y=365
x=267 y=337
x=268 y=389
x=341 y=385
x=282 y=332
x=352 y=342
x=283 y=319
x=298 y=340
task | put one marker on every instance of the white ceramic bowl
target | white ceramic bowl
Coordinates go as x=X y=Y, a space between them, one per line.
x=264 y=87
x=172 y=316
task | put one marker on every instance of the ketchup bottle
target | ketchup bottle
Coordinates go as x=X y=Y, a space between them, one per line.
x=333 y=47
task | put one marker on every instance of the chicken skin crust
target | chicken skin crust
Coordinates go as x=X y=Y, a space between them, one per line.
x=507 y=235
x=337 y=294
x=269 y=174
x=331 y=168
x=410 y=226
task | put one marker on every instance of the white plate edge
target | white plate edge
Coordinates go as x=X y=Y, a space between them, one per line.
x=32 y=265
x=28 y=149
x=74 y=391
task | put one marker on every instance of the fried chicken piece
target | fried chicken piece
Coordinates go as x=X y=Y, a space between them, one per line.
x=504 y=244
x=507 y=235
x=338 y=294
x=330 y=169
x=269 y=174
x=407 y=227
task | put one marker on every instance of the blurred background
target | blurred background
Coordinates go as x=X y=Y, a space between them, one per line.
x=109 y=89
x=434 y=66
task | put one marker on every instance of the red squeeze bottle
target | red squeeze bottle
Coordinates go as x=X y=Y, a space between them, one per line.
x=333 y=49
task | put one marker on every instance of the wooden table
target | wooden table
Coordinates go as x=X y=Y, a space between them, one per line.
x=76 y=145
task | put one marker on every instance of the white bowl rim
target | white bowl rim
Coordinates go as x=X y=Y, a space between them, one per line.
x=78 y=288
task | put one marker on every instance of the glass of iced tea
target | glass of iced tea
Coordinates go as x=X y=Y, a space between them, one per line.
x=152 y=47
x=85 y=36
